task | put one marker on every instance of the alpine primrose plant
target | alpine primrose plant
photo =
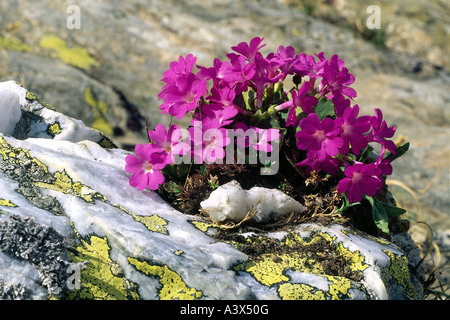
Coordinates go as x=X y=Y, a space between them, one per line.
x=240 y=112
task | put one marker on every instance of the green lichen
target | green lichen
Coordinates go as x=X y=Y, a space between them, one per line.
x=173 y=287
x=100 y=280
x=75 y=56
x=99 y=110
x=9 y=42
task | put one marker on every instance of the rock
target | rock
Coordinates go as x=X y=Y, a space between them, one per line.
x=231 y=202
x=71 y=227
x=10 y=110
x=126 y=47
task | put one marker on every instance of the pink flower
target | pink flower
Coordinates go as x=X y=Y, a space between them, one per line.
x=208 y=141
x=248 y=50
x=246 y=72
x=223 y=97
x=286 y=59
x=168 y=143
x=384 y=165
x=353 y=130
x=267 y=73
x=183 y=66
x=380 y=131
x=257 y=138
x=360 y=179
x=305 y=64
x=336 y=79
x=222 y=73
x=329 y=164
x=145 y=167
x=300 y=99
x=222 y=115
x=319 y=138
x=182 y=95
x=303 y=101
x=264 y=137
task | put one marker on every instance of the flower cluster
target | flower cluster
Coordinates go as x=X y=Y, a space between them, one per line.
x=246 y=92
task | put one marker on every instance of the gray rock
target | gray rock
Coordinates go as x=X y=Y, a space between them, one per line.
x=71 y=227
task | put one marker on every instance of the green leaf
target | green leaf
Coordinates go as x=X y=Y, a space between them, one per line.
x=324 y=108
x=172 y=187
x=249 y=99
x=379 y=214
x=366 y=153
x=346 y=204
x=400 y=151
x=392 y=210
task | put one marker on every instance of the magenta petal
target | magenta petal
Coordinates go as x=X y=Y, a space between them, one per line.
x=355 y=194
x=155 y=179
x=133 y=164
x=139 y=180
x=344 y=185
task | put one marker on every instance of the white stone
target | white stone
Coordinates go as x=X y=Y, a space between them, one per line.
x=10 y=111
x=231 y=202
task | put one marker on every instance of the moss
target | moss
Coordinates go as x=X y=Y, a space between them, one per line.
x=173 y=287
x=76 y=56
x=100 y=280
x=99 y=110
x=9 y=42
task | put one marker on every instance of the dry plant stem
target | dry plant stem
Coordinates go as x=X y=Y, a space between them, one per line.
x=232 y=225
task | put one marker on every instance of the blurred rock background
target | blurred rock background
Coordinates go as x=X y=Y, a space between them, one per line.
x=107 y=72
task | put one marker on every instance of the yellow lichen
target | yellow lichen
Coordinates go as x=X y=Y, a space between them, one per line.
x=204 y=226
x=153 y=223
x=106 y=143
x=270 y=271
x=9 y=42
x=173 y=287
x=7 y=203
x=99 y=281
x=340 y=287
x=54 y=129
x=399 y=271
x=300 y=291
x=76 y=56
x=63 y=183
x=270 y=268
x=99 y=110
